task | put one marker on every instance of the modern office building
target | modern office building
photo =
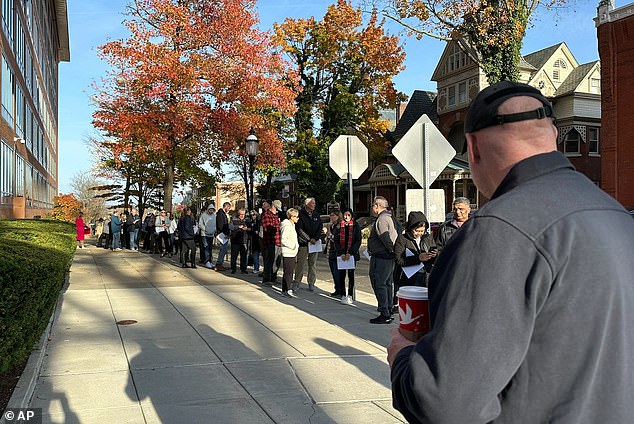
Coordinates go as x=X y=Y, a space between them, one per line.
x=34 y=40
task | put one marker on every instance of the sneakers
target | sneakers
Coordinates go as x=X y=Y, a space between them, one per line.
x=311 y=287
x=381 y=319
x=220 y=268
x=209 y=265
x=288 y=293
x=335 y=294
x=346 y=300
x=118 y=249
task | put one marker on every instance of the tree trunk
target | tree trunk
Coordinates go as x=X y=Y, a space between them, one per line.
x=126 y=194
x=169 y=185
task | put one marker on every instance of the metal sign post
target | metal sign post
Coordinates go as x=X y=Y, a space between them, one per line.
x=348 y=157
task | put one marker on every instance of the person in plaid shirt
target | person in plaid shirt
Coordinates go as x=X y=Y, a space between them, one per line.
x=271 y=242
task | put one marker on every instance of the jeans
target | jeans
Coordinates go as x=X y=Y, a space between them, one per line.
x=206 y=249
x=132 y=240
x=222 y=251
x=303 y=258
x=381 y=276
x=336 y=277
x=116 y=240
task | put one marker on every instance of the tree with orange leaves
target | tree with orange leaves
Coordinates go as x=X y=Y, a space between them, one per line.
x=187 y=84
x=346 y=69
x=66 y=207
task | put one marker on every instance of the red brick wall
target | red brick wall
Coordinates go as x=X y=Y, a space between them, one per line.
x=616 y=51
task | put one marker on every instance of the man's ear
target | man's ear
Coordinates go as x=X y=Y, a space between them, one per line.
x=472 y=147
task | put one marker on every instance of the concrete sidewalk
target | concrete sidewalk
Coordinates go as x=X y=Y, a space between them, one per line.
x=205 y=347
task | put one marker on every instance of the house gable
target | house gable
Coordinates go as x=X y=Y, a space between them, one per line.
x=555 y=61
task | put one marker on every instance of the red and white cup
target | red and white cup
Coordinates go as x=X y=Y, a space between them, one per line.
x=413 y=312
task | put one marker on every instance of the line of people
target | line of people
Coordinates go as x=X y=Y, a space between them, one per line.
x=292 y=240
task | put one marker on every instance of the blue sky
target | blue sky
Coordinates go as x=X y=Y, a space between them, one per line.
x=93 y=23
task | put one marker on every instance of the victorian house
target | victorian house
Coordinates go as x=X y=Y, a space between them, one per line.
x=573 y=88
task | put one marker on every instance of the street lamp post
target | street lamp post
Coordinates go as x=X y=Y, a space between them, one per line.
x=252 y=152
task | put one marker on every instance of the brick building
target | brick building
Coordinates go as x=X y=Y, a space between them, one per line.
x=34 y=40
x=615 y=31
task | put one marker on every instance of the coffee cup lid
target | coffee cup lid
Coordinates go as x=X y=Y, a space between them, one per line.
x=412 y=292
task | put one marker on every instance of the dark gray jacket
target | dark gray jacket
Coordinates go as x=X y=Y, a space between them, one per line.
x=532 y=309
x=383 y=235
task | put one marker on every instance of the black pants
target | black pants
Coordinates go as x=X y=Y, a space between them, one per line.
x=241 y=249
x=342 y=281
x=273 y=254
x=164 y=242
x=289 y=270
x=189 y=250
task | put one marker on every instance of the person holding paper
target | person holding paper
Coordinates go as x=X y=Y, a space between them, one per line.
x=222 y=227
x=414 y=251
x=328 y=234
x=309 y=233
x=347 y=243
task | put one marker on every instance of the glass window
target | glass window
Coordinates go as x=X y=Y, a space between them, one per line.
x=462 y=92
x=19 y=175
x=571 y=142
x=451 y=98
x=7 y=18
x=7 y=92
x=556 y=74
x=593 y=141
x=595 y=85
x=6 y=172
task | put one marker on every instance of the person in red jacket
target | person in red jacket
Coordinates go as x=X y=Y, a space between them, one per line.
x=79 y=226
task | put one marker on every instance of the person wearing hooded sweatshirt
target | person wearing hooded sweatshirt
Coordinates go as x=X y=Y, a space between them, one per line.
x=413 y=247
x=207 y=226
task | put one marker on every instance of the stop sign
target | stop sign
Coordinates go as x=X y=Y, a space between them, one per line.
x=348 y=154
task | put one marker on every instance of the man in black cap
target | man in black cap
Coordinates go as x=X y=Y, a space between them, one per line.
x=537 y=324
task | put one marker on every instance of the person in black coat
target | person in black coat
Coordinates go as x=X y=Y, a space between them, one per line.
x=186 y=232
x=415 y=246
x=347 y=239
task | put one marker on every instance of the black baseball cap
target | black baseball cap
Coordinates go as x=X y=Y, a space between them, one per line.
x=483 y=110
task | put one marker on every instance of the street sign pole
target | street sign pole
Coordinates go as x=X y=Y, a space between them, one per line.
x=349 y=148
x=348 y=157
x=425 y=138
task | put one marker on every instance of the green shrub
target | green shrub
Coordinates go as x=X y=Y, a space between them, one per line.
x=34 y=258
